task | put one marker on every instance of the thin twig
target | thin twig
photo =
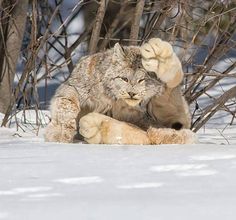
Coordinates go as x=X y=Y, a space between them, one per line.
x=136 y=22
x=97 y=26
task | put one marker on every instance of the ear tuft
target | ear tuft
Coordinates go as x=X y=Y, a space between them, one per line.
x=118 y=53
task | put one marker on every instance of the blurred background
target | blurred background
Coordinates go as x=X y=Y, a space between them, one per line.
x=42 y=40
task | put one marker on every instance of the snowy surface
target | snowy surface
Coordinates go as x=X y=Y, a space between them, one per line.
x=48 y=181
x=58 y=181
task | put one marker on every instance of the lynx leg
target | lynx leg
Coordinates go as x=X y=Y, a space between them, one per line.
x=159 y=57
x=170 y=109
x=63 y=125
x=171 y=136
x=101 y=129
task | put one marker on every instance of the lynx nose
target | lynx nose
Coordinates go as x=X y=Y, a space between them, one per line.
x=132 y=94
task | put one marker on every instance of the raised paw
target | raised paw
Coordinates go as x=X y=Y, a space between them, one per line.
x=156 y=48
x=158 y=56
x=154 y=52
x=89 y=127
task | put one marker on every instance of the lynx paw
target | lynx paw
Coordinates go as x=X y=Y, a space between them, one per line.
x=155 y=51
x=158 y=56
x=156 y=48
x=171 y=136
x=90 y=126
x=59 y=133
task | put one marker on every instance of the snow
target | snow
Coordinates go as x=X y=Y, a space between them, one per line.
x=74 y=181
x=41 y=180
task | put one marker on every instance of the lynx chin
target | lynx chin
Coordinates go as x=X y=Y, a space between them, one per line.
x=124 y=95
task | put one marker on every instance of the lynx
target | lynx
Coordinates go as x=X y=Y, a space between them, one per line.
x=125 y=95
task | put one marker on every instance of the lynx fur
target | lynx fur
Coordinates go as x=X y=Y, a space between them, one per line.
x=125 y=95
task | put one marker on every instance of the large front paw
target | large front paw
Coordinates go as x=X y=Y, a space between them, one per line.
x=156 y=48
x=155 y=51
x=158 y=56
x=89 y=127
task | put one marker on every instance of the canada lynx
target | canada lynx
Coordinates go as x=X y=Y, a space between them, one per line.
x=138 y=85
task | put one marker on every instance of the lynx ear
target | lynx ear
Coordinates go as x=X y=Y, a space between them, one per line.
x=118 y=53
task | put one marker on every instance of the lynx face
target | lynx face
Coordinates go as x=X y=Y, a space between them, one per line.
x=127 y=79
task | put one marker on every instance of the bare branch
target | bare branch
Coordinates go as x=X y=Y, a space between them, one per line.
x=212 y=109
x=114 y=25
x=12 y=40
x=97 y=26
x=136 y=22
x=29 y=66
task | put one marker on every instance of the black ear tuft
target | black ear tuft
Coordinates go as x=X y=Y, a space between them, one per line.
x=177 y=126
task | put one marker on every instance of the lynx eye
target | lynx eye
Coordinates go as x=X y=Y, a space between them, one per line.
x=153 y=75
x=140 y=80
x=125 y=79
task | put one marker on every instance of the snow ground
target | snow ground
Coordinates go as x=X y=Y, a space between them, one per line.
x=41 y=180
x=57 y=181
